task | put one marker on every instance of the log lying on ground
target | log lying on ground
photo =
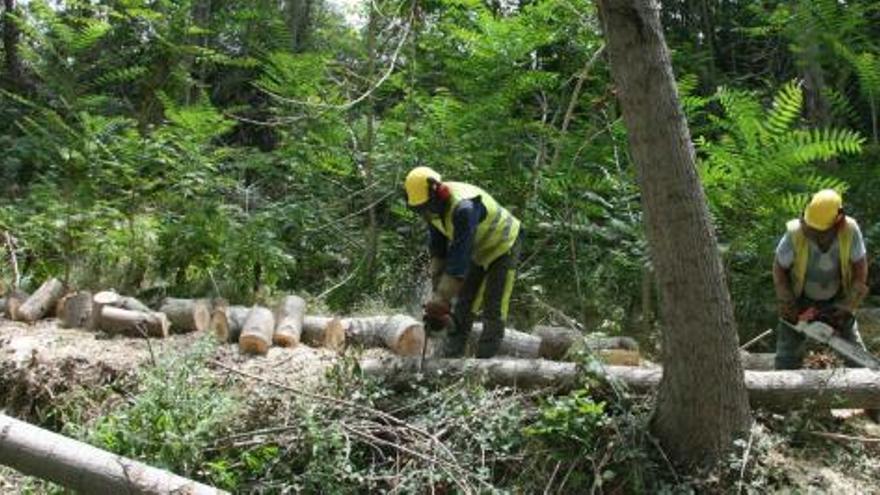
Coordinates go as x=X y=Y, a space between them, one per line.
x=758 y=360
x=83 y=468
x=99 y=300
x=118 y=321
x=75 y=309
x=227 y=322
x=186 y=315
x=289 y=315
x=132 y=304
x=400 y=333
x=256 y=334
x=553 y=342
x=14 y=300
x=857 y=388
x=324 y=331
x=42 y=301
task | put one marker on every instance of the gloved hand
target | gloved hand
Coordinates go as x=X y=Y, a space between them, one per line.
x=436 y=316
x=839 y=317
x=788 y=310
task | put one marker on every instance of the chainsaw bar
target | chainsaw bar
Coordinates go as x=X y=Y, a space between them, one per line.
x=822 y=332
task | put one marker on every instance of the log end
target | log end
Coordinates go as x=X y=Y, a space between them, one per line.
x=219 y=324
x=334 y=335
x=410 y=340
x=285 y=338
x=620 y=357
x=201 y=317
x=253 y=344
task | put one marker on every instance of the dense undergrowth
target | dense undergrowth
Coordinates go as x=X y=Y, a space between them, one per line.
x=356 y=435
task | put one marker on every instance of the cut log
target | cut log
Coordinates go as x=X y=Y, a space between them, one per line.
x=75 y=309
x=99 y=300
x=118 y=321
x=323 y=331
x=14 y=300
x=132 y=304
x=856 y=388
x=758 y=360
x=227 y=322
x=289 y=315
x=256 y=335
x=186 y=315
x=400 y=333
x=83 y=468
x=555 y=343
x=514 y=344
x=42 y=301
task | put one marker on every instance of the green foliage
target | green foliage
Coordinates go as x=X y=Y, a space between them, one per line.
x=176 y=415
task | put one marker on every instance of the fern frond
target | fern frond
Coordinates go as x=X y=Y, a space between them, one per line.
x=809 y=145
x=122 y=75
x=786 y=109
x=87 y=36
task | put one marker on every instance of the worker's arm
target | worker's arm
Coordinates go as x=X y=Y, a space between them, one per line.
x=465 y=219
x=782 y=263
x=859 y=258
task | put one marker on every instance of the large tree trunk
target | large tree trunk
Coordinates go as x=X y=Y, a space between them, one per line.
x=836 y=388
x=186 y=315
x=83 y=468
x=12 y=63
x=256 y=335
x=299 y=21
x=702 y=405
x=42 y=301
x=289 y=321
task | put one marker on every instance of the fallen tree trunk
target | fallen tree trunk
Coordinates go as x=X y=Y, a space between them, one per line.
x=323 y=331
x=256 y=334
x=227 y=322
x=42 y=301
x=118 y=321
x=82 y=467
x=99 y=300
x=514 y=344
x=186 y=315
x=14 y=300
x=289 y=315
x=835 y=388
x=555 y=343
x=400 y=333
x=75 y=309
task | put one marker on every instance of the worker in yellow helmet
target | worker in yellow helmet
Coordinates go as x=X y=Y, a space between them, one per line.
x=474 y=245
x=821 y=263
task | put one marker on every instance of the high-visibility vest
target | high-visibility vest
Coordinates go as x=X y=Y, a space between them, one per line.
x=802 y=254
x=496 y=233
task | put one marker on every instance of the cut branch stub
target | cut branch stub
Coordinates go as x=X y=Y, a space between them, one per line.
x=289 y=314
x=256 y=335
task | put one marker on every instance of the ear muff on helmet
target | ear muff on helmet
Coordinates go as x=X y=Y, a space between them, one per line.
x=438 y=191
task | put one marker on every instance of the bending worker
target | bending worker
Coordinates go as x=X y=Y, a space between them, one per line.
x=474 y=246
x=821 y=263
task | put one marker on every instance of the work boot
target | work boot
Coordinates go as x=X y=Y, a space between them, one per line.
x=490 y=339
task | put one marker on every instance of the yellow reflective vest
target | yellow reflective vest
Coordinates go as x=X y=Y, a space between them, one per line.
x=802 y=254
x=496 y=233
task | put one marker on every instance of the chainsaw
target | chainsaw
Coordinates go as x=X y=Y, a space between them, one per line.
x=810 y=324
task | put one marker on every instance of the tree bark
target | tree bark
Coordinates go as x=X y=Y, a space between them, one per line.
x=118 y=321
x=99 y=300
x=289 y=321
x=12 y=62
x=256 y=334
x=758 y=360
x=322 y=331
x=702 y=405
x=186 y=315
x=299 y=20
x=76 y=309
x=837 y=388
x=82 y=467
x=42 y=301
x=227 y=322
x=132 y=304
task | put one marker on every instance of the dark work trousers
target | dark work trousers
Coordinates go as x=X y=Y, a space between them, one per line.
x=488 y=290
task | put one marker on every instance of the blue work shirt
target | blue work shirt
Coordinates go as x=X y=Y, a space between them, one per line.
x=457 y=251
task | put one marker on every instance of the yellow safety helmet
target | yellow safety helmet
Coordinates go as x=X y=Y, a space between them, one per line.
x=821 y=213
x=417 y=186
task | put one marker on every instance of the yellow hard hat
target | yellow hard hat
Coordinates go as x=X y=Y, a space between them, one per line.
x=822 y=211
x=416 y=185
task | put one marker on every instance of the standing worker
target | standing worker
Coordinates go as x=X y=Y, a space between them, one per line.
x=822 y=267
x=474 y=244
